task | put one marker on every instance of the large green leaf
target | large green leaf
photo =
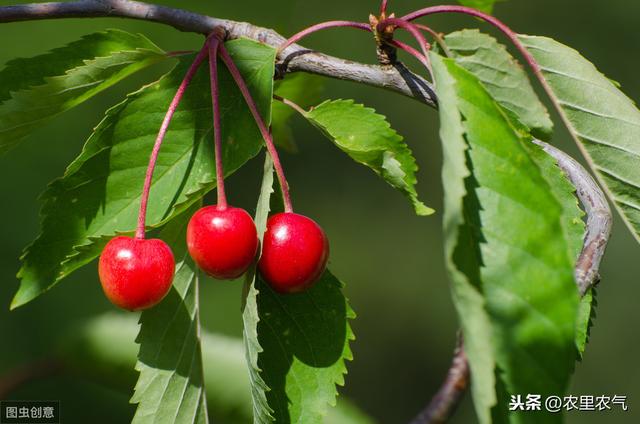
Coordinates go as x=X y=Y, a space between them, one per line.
x=512 y=246
x=36 y=89
x=262 y=411
x=170 y=388
x=604 y=122
x=483 y=5
x=305 y=340
x=296 y=345
x=509 y=85
x=463 y=264
x=368 y=138
x=502 y=76
x=99 y=195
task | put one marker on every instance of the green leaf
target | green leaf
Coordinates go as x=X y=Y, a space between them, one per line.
x=99 y=195
x=369 y=139
x=482 y=5
x=305 y=339
x=296 y=344
x=514 y=251
x=262 y=411
x=102 y=350
x=302 y=89
x=34 y=90
x=604 y=122
x=170 y=388
x=502 y=76
x=586 y=316
x=463 y=263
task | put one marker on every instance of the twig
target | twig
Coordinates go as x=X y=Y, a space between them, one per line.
x=599 y=221
x=296 y=57
x=445 y=402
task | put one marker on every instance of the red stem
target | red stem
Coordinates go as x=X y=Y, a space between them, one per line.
x=383 y=8
x=491 y=20
x=317 y=27
x=407 y=48
x=414 y=31
x=163 y=131
x=436 y=36
x=271 y=148
x=214 y=43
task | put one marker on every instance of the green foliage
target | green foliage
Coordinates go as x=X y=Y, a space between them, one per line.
x=368 y=139
x=99 y=195
x=483 y=5
x=519 y=280
x=102 y=349
x=502 y=76
x=170 y=388
x=262 y=411
x=305 y=339
x=604 y=122
x=296 y=344
x=34 y=90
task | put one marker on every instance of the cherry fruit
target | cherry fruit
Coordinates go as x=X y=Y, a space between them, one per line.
x=294 y=253
x=223 y=241
x=136 y=273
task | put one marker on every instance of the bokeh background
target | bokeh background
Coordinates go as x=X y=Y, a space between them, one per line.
x=391 y=260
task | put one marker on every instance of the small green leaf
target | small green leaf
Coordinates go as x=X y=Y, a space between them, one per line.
x=99 y=195
x=262 y=411
x=305 y=340
x=34 y=90
x=369 y=139
x=482 y=5
x=170 y=388
x=603 y=121
x=586 y=316
x=517 y=252
x=502 y=76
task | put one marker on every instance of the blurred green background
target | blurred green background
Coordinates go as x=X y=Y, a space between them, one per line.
x=391 y=260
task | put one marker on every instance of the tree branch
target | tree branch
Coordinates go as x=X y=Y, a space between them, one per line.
x=294 y=58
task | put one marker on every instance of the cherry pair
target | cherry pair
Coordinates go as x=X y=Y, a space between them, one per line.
x=136 y=273
x=223 y=242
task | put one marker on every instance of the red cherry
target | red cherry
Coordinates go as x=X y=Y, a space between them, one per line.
x=222 y=241
x=294 y=253
x=136 y=273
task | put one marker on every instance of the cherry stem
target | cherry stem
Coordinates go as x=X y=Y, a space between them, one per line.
x=436 y=36
x=317 y=27
x=291 y=104
x=407 y=48
x=202 y=54
x=271 y=148
x=383 y=8
x=414 y=31
x=214 y=43
x=511 y=35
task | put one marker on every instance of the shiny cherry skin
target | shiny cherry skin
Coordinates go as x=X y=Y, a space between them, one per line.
x=136 y=273
x=294 y=253
x=222 y=241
